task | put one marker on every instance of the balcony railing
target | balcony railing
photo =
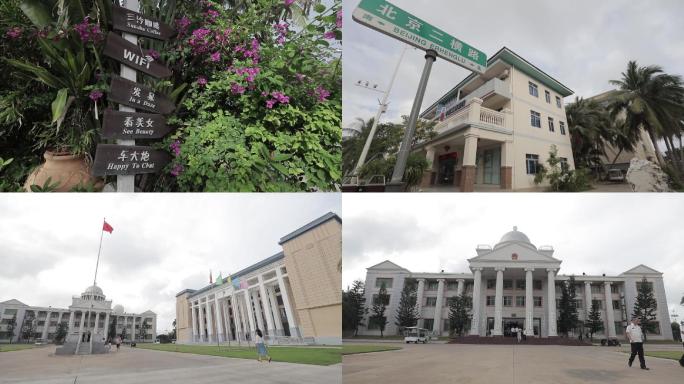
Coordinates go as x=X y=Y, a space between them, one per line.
x=474 y=113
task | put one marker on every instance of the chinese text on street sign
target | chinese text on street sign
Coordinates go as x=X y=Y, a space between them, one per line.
x=113 y=159
x=395 y=22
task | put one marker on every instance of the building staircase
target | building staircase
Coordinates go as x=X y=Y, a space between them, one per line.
x=501 y=340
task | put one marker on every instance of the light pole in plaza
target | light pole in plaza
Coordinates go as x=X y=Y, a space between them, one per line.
x=381 y=109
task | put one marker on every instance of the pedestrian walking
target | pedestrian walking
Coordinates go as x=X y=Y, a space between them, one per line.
x=118 y=343
x=636 y=340
x=261 y=346
x=518 y=331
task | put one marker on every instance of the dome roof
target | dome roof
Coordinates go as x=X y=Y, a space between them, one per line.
x=514 y=236
x=118 y=309
x=94 y=289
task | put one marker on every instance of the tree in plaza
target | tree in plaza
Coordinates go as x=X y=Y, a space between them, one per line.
x=594 y=322
x=354 y=307
x=589 y=126
x=459 y=313
x=11 y=325
x=111 y=332
x=142 y=333
x=567 y=313
x=407 y=316
x=28 y=327
x=380 y=303
x=60 y=334
x=123 y=334
x=172 y=334
x=645 y=306
x=676 y=331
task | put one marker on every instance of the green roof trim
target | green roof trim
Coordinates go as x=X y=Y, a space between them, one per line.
x=507 y=55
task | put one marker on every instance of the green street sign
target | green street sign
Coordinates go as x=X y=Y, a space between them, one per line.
x=391 y=20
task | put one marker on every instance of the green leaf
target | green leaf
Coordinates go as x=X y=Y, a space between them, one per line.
x=319 y=8
x=37 y=12
x=59 y=106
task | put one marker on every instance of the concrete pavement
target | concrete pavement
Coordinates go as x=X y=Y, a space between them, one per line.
x=129 y=365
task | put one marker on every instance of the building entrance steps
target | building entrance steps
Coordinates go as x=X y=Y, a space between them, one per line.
x=513 y=340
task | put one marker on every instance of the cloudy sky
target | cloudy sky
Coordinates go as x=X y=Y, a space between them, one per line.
x=161 y=244
x=591 y=233
x=581 y=43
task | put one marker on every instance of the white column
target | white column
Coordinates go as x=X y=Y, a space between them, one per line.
x=437 y=323
x=459 y=289
x=133 y=333
x=587 y=297
x=72 y=314
x=276 y=311
x=226 y=320
x=419 y=301
x=106 y=326
x=475 y=321
x=470 y=149
x=250 y=314
x=236 y=317
x=219 y=321
x=259 y=314
x=194 y=324
x=125 y=323
x=551 y=301
x=80 y=331
x=201 y=322
x=210 y=321
x=47 y=325
x=610 y=314
x=267 y=307
x=93 y=335
x=529 y=302
x=291 y=321
x=498 y=303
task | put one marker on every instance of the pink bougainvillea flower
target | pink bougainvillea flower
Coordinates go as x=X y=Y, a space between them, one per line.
x=14 y=33
x=177 y=170
x=201 y=81
x=216 y=56
x=212 y=15
x=183 y=23
x=339 y=19
x=153 y=53
x=175 y=148
x=270 y=103
x=95 y=95
x=237 y=89
x=89 y=33
x=322 y=94
x=329 y=35
x=288 y=2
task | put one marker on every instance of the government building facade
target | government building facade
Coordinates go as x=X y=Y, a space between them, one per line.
x=515 y=284
x=293 y=297
x=88 y=320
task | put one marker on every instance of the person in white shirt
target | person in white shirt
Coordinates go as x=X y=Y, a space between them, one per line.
x=636 y=340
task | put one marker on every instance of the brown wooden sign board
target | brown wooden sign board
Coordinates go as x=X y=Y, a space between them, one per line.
x=133 y=125
x=138 y=96
x=136 y=23
x=133 y=56
x=113 y=159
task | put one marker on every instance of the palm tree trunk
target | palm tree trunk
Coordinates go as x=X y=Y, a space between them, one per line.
x=654 y=141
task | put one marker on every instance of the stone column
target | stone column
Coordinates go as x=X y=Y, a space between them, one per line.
x=475 y=322
x=219 y=321
x=289 y=312
x=437 y=323
x=587 y=297
x=610 y=314
x=459 y=289
x=276 y=311
x=80 y=331
x=258 y=313
x=498 y=303
x=267 y=307
x=529 y=302
x=429 y=175
x=133 y=332
x=71 y=322
x=94 y=334
x=226 y=320
x=419 y=301
x=507 y=164
x=210 y=322
x=106 y=326
x=125 y=323
x=47 y=325
x=551 y=301
x=201 y=322
x=236 y=316
x=250 y=315
x=195 y=332
x=469 y=161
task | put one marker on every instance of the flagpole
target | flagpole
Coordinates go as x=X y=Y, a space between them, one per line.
x=97 y=264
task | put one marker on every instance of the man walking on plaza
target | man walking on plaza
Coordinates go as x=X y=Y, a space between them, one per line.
x=636 y=340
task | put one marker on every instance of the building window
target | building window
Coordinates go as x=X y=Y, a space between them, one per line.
x=452 y=286
x=537 y=301
x=597 y=289
x=614 y=289
x=619 y=331
x=508 y=284
x=656 y=328
x=491 y=284
x=383 y=280
x=562 y=128
x=548 y=96
x=508 y=301
x=537 y=285
x=551 y=127
x=520 y=301
x=648 y=283
x=430 y=301
x=535 y=119
x=534 y=90
x=433 y=285
x=490 y=301
x=520 y=284
x=579 y=304
x=558 y=101
x=373 y=323
x=532 y=162
x=428 y=323
x=616 y=304
x=598 y=303
x=376 y=301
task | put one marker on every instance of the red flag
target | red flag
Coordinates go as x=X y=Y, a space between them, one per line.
x=107 y=227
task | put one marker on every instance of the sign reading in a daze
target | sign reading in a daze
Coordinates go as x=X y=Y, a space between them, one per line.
x=139 y=96
x=133 y=56
x=112 y=159
x=129 y=21
x=393 y=21
x=132 y=125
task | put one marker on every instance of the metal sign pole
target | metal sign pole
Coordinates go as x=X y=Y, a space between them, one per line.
x=396 y=183
x=126 y=183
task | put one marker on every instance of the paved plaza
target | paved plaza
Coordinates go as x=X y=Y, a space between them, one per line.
x=41 y=366
x=524 y=364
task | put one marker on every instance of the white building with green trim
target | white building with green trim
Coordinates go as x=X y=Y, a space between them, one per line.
x=494 y=129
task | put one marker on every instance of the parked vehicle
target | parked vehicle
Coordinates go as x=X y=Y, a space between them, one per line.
x=416 y=335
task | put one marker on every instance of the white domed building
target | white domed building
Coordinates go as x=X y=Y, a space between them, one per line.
x=512 y=284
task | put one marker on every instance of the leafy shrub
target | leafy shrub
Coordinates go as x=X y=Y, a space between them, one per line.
x=560 y=177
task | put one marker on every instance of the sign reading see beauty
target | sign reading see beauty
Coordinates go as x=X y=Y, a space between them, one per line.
x=112 y=159
x=133 y=56
x=139 y=96
x=132 y=125
x=129 y=21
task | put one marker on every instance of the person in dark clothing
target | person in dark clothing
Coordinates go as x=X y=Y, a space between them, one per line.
x=636 y=340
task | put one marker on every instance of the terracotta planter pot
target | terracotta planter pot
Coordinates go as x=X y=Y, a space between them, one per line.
x=66 y=169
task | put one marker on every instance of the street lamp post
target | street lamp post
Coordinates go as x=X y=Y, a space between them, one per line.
x=381 y=109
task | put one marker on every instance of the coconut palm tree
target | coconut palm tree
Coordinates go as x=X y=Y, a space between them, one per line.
x=589 y=126
x=650 y=99
x=622 y=138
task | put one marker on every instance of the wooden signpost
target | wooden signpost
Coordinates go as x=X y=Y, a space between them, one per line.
x=125 y=159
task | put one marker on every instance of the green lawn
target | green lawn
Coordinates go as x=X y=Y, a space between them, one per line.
x=350 y=349
x=301 y=355
x=14 y=347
